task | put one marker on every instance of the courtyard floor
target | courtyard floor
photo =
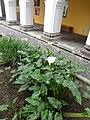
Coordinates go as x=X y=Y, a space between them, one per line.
x=71 y=44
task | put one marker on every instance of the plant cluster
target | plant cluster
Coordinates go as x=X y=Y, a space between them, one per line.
x=9 y=50
x=49 y=79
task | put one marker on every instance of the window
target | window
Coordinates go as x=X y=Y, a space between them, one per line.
x=65 y=8
x=36 y=2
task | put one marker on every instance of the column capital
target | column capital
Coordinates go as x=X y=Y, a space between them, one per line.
x=54 y=2
x=30 y=2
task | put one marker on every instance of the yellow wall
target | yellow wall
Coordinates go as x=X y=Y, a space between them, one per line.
x=40 y=18
x=78 y=16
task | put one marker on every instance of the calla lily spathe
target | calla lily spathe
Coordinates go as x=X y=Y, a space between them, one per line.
x=51 y=59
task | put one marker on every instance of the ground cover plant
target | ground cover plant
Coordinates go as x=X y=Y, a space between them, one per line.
x=9 y=50
x=50 y=79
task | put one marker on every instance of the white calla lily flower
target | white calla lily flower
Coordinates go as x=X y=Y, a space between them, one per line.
x=51 y=59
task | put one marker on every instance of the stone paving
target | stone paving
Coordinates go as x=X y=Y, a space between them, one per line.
x=69 y=41
x=70 y=48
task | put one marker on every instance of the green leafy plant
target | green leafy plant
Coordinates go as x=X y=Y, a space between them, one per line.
x=14 y=107
x=9 y=50
x=3 y=107
x=50 y=83
x=87 y=110
x=1 y=71
x=86 y=93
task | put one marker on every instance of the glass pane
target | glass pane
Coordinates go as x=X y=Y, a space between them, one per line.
x=36 y=2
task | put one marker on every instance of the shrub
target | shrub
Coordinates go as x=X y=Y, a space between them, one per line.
x=49 y=82
x=9 y=50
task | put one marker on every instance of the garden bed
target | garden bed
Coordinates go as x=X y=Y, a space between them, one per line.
x=8 y=92
x=46 y=84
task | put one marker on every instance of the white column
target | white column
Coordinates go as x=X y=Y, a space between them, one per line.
x=0 y=10
x=53 y=17
x=26 y=14
x=10 y=8
x=88 y=39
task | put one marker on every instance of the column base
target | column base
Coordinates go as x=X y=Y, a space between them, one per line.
x=1 y=18
x=87 y=47
x=86 y=52
x=26 y=27
x=11 y=22
x=51 y=36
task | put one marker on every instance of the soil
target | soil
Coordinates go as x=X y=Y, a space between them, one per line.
x=8 y=92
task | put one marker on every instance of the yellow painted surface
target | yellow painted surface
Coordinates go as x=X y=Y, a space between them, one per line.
x=78 y=16
x=40 y=18
x=18 y=10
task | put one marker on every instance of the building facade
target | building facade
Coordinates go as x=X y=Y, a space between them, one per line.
x=77 y=15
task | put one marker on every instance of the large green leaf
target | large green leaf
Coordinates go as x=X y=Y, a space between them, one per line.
x=41 y=106
x=36 y=94
x=87 y=111
x=29 y=108
x=33 y=101
x=61 y=117
x=3 y=107
x=34 y=88
x=86 y=95
x=50 y=116
x=64 y=103
x=21 y=81
x=15 y=117
x=36 y=76
x=44 y=114
x=58 y=116
x=88 y=88
x=14 y=103
x=55 y=103
x=23 y=87
x=73 y=88
x=43 y=89
x=59 y=78
x=39 y=63
x=33 y=116
x=47 y=77
x=1 y=71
